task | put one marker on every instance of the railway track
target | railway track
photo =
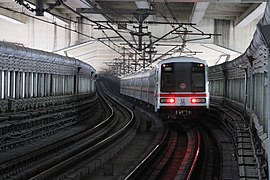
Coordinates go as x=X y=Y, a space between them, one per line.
x=186 y=152
x=66 y=157
x=20 y=128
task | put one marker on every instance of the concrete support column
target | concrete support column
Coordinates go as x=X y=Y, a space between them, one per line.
x=66 y=85
x=224 y=85
x=246 y=93
x=42 y=84
x=53 y=90
x=63 y=84
x=78 y=85
x=90 y=83
x=51 y=85
x=73 y=84
x=35 y=80
x=77 y=82
x=80 y=28
x=56 y=84
x=22 y=82
x=69 y=84
x=28 y=85
x=82 y=85
x=27 y=82
x=11 y=84
x=86 y=84
x=46 y=82
x=6 y=85
x=86 y=81
x=17 y=85
x=38 y=84
x=31 y=85
x=59 y=83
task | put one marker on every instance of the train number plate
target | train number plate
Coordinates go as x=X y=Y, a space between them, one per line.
x=182 y=102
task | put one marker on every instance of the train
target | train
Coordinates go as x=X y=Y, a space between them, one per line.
x=176 y=88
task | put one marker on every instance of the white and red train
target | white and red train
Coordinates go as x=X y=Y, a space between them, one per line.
x=176 y=87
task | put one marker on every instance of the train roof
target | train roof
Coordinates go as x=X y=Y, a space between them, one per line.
x=145 y=72
x=182 y=59
x=140 y=73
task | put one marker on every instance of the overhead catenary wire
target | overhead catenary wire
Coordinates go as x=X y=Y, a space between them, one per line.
x=66 y=28
x=109 y=26
x=108 y=7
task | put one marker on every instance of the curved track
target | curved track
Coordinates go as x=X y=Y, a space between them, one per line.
x=64 y=157
x=186 y=152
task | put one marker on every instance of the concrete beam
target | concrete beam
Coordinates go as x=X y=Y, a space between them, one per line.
x=48 y=1
x=198 y=11
x=106 y=11
x=17 y=18
x=252 y=13
x=143 y=4
x=211 y=1
x=97 y=17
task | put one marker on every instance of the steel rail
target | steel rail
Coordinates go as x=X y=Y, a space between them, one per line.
x=149 y=158
x=191 y=158
x=196 y=155
x=98 y=146
x=57 y=145
x=8 y=141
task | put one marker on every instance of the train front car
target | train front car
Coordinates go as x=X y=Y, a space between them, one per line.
x=182 y=88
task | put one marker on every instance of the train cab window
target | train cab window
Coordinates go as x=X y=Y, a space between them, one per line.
x=167 y=77
x=198 y=77
x=182 y=77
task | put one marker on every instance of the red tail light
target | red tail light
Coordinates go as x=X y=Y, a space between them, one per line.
x=197 y=100
x=167 y=100
x=193 y=100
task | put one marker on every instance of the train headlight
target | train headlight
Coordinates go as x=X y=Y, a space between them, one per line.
x=197 y=100
x=167 y=100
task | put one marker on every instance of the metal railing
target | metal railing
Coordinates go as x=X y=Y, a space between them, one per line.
x=27 y=75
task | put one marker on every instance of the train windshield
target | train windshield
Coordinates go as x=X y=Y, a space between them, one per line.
x=182 y=77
